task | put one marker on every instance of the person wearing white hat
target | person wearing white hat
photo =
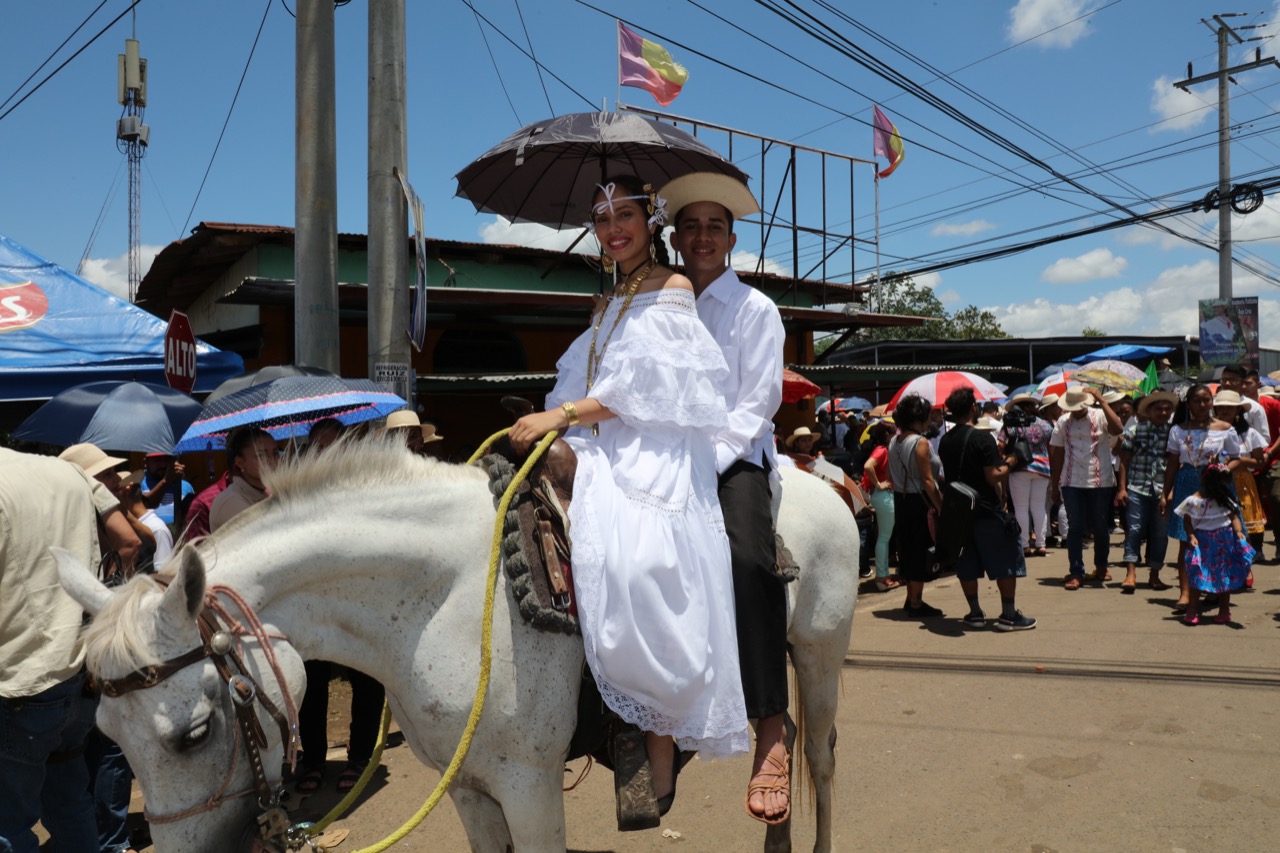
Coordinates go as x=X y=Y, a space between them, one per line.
x=1140 y=484
x=1082 y=475
x=46 y=710
x=417 y=435
x=747 y=326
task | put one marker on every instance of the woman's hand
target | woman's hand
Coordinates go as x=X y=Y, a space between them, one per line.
x=1193 y=541
x=529 y=429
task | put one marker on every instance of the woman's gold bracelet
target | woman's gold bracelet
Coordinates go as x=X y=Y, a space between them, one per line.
x=570 y=413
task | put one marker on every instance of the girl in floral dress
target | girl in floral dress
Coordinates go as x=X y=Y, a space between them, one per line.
x=1218 y=557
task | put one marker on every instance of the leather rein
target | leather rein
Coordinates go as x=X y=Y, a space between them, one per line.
x=219 y=635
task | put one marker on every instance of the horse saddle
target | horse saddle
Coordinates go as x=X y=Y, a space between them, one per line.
x=536 y=532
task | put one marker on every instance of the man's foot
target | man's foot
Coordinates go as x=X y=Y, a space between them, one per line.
x=921 y=611
x=1156 y=584
x=976 y=619
x=1071 y=582
x=1015 y=622
x=350 y=775
x=309 y=782
x=769 y=794
x=1041 y=552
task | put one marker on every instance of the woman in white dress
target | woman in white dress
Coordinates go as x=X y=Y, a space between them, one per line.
x=640 y=394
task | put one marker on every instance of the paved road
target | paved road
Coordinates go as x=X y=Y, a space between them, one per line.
x=1111 y=727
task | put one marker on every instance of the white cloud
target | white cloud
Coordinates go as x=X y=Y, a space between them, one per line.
x=1261 y=226
x=1092 y=265
x=949 y=298
x=1179 y=110
x=1189 y=224
x=1167 y=306
x=961 y=229
x=1052 y=23
x=112 y=274
x=746 y=261
x=930 y=280
x=505 y=232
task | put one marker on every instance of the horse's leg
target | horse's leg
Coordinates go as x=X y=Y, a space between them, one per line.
x=533 y=802
x=818 y=678
x=482 y=818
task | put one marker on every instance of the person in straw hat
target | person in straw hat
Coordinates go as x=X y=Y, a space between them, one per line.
x=1140 y=486
x=1082 y=476
x=642 y=396
x=748 y=328
x=417 y=435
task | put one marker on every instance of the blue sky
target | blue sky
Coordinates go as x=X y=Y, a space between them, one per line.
x=1093 y=76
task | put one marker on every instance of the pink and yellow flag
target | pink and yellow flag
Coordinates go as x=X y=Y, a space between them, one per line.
x=645 y=64
x=886 y=143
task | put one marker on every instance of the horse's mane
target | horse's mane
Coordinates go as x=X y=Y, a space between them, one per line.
x=114 y=641
x=376 y=460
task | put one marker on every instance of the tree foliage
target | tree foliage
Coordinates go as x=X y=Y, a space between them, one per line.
x=1092 y=332
x=900 y=294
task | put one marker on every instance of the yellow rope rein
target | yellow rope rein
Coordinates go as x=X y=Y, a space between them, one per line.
x=482 y=685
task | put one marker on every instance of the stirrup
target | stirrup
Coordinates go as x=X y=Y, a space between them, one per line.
x=637 y=803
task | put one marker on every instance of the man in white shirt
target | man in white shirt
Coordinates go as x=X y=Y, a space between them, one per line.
x=1233 y=379
x=747 y=326
x=1083 y=479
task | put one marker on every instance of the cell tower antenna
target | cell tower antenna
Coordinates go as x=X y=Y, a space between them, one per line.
x=132 y=136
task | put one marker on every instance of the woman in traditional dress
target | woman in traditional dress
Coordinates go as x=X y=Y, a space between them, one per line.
x=1195 y=442
x=1231 y=407
x=640 y=394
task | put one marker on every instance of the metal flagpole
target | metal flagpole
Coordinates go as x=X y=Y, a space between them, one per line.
x=876 y=293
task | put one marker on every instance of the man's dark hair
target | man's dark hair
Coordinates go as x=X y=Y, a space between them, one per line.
x=1252 y=373
x=324 y=425
x=990 y=407
x=960 y=403
x=243 y=438
x=1234 y=370
x=727 y=215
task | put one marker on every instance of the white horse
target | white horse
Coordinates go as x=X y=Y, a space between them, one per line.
x=375 y=559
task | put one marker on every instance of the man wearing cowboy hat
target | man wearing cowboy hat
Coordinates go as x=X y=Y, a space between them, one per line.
x=1083 y=476
x=417 y=435
x=1144 y=453
x=747 y=326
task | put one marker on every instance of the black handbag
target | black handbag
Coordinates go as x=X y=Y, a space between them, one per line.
x=1020 y=450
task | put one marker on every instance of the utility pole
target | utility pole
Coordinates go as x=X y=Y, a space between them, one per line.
x=132 y=136
x=315 y=203
x=1225 y=33
x=389 y=356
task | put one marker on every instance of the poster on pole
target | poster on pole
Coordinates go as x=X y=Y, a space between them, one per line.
x=1229 y=331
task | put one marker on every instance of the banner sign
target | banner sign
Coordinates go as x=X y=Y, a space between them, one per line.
x=1229 y=331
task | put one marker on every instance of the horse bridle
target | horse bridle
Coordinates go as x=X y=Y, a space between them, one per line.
x=218 y=644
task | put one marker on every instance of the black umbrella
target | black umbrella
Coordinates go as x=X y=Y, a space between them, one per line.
x=136 y=416
x=546 y=171
x=261 y=375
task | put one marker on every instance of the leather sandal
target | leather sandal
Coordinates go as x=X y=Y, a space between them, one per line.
x=778 y=772
x=350 y=775
x=309 y=782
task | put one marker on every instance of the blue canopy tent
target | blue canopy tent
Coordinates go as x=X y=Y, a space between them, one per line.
x=58 y=330
x=1124 y=352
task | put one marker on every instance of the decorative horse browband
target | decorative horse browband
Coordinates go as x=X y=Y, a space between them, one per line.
x=218 y=630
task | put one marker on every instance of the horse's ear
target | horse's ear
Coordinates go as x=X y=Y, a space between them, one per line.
x=185 y=596
x=79 y=581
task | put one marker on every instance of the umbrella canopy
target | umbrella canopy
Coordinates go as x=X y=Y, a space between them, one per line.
x=132 y=416
x=1128 y=352
x=848 y=404
x=546 y=172
x=935 y=387
x=1023 y=389
x=1106 y=379
x=1058 y=384
x=288 y=407
x=795 y=387
x=1170 y=381
x=1128 y=371
x=261 y=375
x=1049 y=370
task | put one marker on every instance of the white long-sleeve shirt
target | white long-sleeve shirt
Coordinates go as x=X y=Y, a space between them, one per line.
x=747 y=326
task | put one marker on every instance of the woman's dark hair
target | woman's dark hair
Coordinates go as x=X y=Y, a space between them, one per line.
x=631 y=185
x=1215 y=484
x=879 y=434
x=960 y=403
x=241 y=439
x=911 y=411
x=1183 y=412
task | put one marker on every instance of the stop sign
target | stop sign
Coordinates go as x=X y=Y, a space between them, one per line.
x=180 y=353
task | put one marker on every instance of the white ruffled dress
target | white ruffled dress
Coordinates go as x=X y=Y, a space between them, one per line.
x=651 y=565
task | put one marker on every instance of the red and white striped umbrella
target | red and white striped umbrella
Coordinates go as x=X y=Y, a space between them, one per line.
x=1056 y=383
x=935 y=387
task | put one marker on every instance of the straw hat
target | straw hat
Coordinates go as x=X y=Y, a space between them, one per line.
x=90 y=458
x=132 y=478
x=1047 y=401
x=1021 y=398
x=1268 y=391
x=1156 y=397
x=408 y=419
x=1113 y=397
x=1227 y=397
x=709 y=186
x=800 y=432
x=987 y=424
x=1075 y=399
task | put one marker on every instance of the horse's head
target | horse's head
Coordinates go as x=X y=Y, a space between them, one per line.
x=167 y=702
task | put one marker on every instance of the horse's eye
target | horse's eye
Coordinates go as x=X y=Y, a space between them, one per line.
x=195 y=736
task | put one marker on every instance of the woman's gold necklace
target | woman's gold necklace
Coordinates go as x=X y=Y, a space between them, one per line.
x=594 y=361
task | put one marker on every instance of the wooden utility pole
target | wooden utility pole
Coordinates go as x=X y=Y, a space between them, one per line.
x=1223 y=75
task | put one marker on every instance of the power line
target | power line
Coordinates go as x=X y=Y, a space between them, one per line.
x=512 y=41
x=265 y=11
x=496 y=70
x=68 y=60
x=536 y=64
x=49 y=59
